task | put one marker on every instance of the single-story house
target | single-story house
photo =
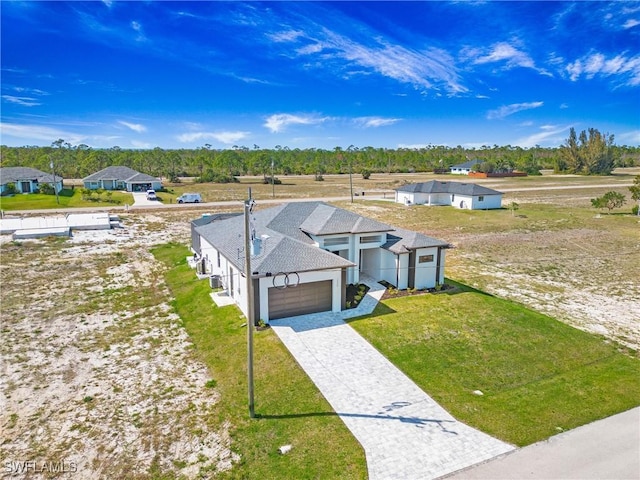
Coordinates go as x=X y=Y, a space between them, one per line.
x=305 y=254
x=121 y=178
x=465 y=168
x=27 y=180
x=456 y=194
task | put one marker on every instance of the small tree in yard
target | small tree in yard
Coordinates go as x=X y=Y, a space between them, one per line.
x=513 y=206
x=609 y=200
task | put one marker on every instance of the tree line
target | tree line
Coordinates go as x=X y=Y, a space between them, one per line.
x=588 y=153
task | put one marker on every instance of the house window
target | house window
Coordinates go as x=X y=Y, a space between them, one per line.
x=425 y=258
x=370 y=239
x=218 y=259
x=331 y=242
x=481 y=198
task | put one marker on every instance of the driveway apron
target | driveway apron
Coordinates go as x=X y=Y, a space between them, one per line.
x=404 y=432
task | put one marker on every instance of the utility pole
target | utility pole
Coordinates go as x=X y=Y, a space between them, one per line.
x=351 y=178
x=55 y=186
x=248 y=207
x=273 y=182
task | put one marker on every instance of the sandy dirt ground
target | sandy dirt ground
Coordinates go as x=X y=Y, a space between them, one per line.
x=565 y=274
x=99 y=379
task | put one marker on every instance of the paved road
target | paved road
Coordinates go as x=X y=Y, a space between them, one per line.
x=606 y=449
x=404 y=432
x=237 y=203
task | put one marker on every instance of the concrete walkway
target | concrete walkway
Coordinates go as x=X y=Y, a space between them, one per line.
x=404 y=432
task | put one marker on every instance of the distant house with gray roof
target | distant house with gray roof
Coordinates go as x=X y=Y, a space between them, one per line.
x=465 y=168
x=304 y=254
x=27 y=180
x=121 y=178
x=468 y=196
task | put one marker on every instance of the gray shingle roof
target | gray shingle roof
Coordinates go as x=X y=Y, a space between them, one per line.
x=285 y=245
x=402 y=241
x=459 y=188
x=468 y=164
x=285 y=248
x=121 y=173
x=16 y=174
x=328 y=220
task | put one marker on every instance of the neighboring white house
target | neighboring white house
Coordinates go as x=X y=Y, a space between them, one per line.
x=306 y=253
x=456 y=194
x=27 y=180
x=465 y=168
x=122 y=178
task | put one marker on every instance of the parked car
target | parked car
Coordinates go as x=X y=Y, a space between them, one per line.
x=190 y=198
x=151 y=195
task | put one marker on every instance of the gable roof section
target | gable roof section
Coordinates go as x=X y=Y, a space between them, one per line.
x=16 y=174
x=285 y=248
x=468 y=164
x=458 y=188
x=121 y=173
x=328 y=220
x=207 y=219
x=403 y=241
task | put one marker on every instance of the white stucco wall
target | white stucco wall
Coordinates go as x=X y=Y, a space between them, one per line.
x=426 y=273
x=488 y=202
x=403 y=271
x=406 y=198
x=388 y=267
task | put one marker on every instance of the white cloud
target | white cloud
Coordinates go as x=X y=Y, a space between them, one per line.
x=227 y=138
x=136 y=127
x=548 y=136
x=507 y=110
x=629 y=138
x=367 y=122
x=286 y=36
x=280 y=121
x=137 y=27
x=425 y=69
x=500 y=52
x=138 y=144
x=24 y=101
x=505 y=52
x=39 y=132
x=413 y=146
x=631 y=23
x=597 y=65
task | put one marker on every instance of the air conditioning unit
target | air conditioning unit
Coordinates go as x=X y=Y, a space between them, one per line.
x=215 y=281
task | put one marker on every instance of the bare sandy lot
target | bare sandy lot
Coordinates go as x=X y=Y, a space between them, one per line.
x=98 y=376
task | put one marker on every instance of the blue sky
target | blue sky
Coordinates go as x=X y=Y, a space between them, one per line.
x=318 y=74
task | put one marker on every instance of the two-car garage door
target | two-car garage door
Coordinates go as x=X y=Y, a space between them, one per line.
x=305 y=298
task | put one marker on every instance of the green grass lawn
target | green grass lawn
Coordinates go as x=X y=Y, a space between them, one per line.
x=69 y=198
x=539 y=376
x=289 y=408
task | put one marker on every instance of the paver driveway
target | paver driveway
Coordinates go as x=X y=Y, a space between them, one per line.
x=404 y=432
